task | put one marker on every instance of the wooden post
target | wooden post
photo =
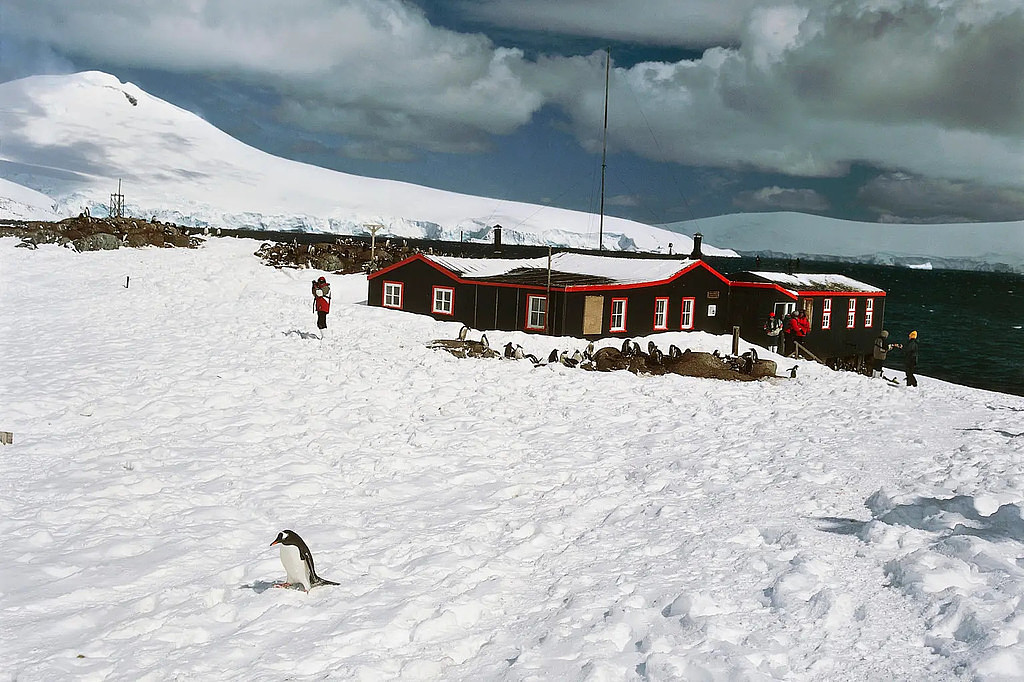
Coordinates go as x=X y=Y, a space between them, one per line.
x=735 y=340
x=374 y=229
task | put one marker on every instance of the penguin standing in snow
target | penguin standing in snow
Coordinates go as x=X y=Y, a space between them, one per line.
x=298 y=561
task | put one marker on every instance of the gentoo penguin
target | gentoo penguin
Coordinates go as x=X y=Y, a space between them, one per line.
x=484 y=342
x=588 y=354
x=509 y=350
x=463 y=332
x=518 y=354
x=298 y=561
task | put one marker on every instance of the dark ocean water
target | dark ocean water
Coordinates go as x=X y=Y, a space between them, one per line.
x=970 y=325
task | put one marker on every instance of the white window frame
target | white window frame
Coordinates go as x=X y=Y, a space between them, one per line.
x=617 y=318
x=686 y=313
x=826 y=313
x=536 y=318
x=393 y=295
x=661 y=314
x=443 y=305
x=851 y=314
x=869 y=312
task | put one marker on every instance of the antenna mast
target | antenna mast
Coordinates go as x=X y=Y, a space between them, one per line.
x=604 y=146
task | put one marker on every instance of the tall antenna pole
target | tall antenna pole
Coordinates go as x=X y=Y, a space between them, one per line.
x=604 y=145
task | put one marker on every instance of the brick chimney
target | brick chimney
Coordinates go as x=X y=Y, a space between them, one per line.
x=696 y=254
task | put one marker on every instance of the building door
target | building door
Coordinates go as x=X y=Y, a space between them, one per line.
x=593 y=314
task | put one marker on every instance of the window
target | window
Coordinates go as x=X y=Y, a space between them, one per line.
x=851 y=314
x=618 y=320
x=686 y=318
x=536 y=312
x=869 y=312
x=443 y=297
x=826 y=313
x=661 y=313
x=392 y=294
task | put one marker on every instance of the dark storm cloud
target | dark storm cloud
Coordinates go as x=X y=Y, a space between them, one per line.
x=693 y=24
x=897 y=197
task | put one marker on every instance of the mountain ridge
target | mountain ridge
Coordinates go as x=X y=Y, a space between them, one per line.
x=75 y=137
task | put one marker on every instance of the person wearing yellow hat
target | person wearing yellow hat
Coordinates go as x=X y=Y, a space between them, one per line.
x=910 y=358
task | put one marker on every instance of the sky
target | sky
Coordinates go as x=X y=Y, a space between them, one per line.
x=485 y=519
x=880 y=110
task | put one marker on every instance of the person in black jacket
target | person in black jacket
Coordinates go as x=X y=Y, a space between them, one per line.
x=881 y=350
x=771 y=329
x=910 y=358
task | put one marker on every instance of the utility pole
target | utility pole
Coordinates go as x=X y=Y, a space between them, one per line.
x=604 y=146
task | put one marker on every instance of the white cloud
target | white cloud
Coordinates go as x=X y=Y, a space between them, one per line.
x=781 y=199
x=375 y=68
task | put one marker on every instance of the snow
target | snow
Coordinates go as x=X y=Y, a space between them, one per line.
x=963 y=246
x=486 y=520
x=617 y=270
x=22 y=203
x=75 y=137
x=797 y=281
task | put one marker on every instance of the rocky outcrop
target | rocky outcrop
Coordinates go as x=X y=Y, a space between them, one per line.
x=85 y=233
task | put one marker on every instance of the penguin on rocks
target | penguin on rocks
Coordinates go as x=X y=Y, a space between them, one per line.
x=298 y=561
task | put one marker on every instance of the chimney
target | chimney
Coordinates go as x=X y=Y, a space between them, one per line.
x=497 y=238
x=696 y=254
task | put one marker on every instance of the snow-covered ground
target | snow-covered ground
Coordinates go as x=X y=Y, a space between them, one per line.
x=486 y=520
x=78 y=137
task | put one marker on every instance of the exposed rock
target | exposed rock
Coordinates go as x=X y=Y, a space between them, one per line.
x=91 y=234
x=100 y=241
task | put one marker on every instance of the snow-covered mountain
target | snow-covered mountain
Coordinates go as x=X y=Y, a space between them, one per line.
x=73 y=138
x=960 y=246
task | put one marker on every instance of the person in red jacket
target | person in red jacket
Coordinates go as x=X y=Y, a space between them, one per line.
x=798 y=328
x=321 y=303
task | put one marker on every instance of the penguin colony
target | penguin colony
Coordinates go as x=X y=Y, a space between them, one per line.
x=629 y=356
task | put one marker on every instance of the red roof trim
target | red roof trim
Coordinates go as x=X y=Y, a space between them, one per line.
x=587 y=287
x=643 y=285
x=765 y=285
x=618 y=287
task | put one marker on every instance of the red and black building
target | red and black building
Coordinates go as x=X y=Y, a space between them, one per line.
x=845 y=315
x=591 y=296
x=571 y=294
